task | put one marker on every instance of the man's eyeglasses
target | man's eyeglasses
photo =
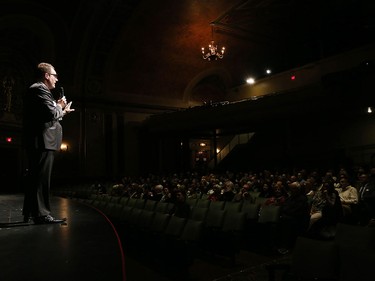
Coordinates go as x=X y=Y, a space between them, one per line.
x=53 y=74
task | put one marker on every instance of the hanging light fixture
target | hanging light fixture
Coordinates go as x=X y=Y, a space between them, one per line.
x=213 y=53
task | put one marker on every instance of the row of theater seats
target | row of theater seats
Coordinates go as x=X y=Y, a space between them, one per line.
x=219 y=228
x=201 y=209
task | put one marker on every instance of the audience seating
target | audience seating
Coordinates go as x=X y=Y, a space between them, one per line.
x=124 y=200
x=150 y=205
x=162 y=207
x=220 y=228
x=198 y=213
x=203 y=203
x=269 y=214
x=232 y=235
x=214 y=219
x=150 y=228
x=219 y=205
x=233 y=207
x=192 y=201
x=251 y=210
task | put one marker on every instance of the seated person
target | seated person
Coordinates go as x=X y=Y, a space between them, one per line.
x=278 y=194
x=348 y=197
x=366 y=205
x=326 y=207
x=294 y=217
x=227 y=193
x=181 y=208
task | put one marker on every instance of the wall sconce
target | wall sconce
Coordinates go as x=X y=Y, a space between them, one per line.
x=64 y=147
x=250 y=80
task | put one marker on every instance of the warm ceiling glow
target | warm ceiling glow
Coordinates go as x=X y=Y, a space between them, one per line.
x=202 y=144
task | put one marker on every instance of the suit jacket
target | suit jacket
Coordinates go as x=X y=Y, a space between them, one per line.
x=368 y=191
x=42 y=129
x=367 y=196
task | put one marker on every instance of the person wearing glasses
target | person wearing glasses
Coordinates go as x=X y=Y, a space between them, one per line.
x=42 y=137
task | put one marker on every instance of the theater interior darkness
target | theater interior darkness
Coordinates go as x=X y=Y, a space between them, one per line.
x=294 y=88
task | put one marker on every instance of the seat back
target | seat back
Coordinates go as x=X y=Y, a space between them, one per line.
x=198 y=214
x=215 y=218
x=192 y=201
x=234 y=222
x=269 y=214
x=251 y=210
x=356 y=251
x=124 y=200
x=217 y=205
x=203 y=203
x=175 y=226
x=159 y=222
x=134 y=216
x=145 y=219
x=233 y=206
x=315 y=260
x=192 y=231
x=161 y=207
x=139 y=203
x=150 y=205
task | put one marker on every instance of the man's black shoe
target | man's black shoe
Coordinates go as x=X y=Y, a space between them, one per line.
x=47 y=220
x=27 y=219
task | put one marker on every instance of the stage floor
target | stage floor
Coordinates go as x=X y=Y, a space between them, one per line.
x=85 y=247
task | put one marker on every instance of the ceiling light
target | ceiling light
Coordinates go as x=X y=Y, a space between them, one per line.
x=212 y=52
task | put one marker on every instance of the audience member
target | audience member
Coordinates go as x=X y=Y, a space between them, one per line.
x=180 y=208
x=294 y=219
x=243 y=194
x=278 y=194
x=326 y=209
x=348 y=197
x=227 y=192
x=265 y=191
x=366 y=192
x=157 y=193
x=167 y=196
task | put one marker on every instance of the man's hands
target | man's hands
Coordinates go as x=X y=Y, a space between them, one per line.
x=65 y=106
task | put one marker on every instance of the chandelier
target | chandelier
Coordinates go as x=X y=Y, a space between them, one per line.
x=213 y=53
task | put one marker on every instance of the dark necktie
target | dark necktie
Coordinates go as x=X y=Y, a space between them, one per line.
x=362 y=190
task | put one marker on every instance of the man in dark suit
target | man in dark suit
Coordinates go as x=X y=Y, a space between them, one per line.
x=42 y=137
x=366 y=204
